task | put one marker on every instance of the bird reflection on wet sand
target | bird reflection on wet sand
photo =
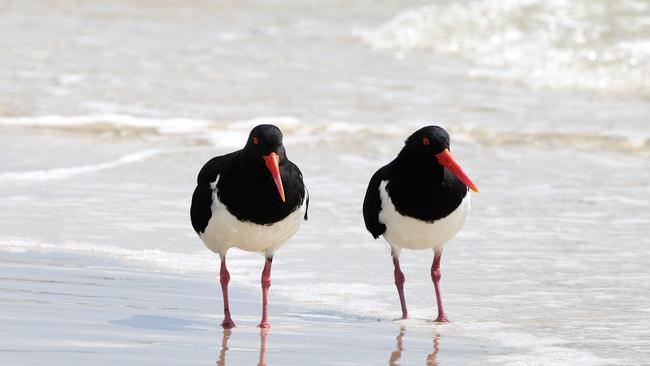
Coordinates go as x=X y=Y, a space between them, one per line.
x=397 y=353
x=224 y=347
x=432 y=358
x=264 y=332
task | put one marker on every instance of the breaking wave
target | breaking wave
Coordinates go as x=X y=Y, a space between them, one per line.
x=231 y=134
x=596 y=45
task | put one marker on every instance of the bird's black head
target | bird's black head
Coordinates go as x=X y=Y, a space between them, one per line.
x=264 y=148
x=265 y=139
x=428 y=141
x=428 y=148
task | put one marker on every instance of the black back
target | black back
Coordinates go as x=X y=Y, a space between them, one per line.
x=418 y=185
x=245 y=186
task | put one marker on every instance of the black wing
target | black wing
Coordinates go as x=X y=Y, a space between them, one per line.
x=306 y=203
x=306 y=194
x=294 y=182
x=372 y=203
x=200 y=211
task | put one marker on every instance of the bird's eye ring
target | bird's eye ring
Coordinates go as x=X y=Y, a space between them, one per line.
x=425 y=141
x=255 y=140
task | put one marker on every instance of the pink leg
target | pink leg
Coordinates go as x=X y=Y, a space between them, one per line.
x=266 y=283
x=399 y=283
x=224 y=278
x=435 y=276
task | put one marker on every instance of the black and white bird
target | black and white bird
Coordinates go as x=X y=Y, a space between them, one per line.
x=253 y=199
x=420 y=200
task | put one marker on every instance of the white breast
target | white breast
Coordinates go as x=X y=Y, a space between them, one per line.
x=225 y=231
x=410 y=233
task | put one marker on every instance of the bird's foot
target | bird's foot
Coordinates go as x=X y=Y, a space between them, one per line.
x=264 y=325
x=442 y=319
x=228 y=323
x=404 y=317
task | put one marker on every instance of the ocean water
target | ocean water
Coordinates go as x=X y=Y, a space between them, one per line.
x=109 y=109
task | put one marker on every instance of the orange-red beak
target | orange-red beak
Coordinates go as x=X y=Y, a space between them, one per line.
x=447 y=160
x=273 y=164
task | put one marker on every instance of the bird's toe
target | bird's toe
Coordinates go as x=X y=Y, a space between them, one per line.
x=442 y=319
x=228 y=324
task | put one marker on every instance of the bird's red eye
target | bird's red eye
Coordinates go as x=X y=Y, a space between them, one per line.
x=425 y=141
x=256 y=141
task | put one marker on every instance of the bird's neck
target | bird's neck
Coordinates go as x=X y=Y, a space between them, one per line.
x=253 y=167
x=416 y=166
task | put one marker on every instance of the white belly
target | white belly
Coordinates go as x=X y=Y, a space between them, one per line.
x=410 y=233
x=225 y=231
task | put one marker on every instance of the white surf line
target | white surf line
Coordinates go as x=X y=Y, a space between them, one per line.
x=188 y=126
x=63 y=173
x=198 y=263
x=163 y=125
x=227 y=133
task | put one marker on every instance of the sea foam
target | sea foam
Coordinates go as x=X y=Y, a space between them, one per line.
x=63 y=173
x=233 y=134
x=583 y=44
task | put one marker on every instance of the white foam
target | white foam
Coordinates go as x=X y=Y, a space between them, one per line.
x=233 y=134
x=584 y=44
x=199 y=263
x=226 y=134
x=116 y=121
x=63 y=173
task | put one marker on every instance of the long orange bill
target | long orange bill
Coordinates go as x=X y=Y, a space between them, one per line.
x=447 y=160
x=273 y=164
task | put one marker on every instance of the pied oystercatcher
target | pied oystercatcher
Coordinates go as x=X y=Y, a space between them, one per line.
x=253 y=199
x=420 y=200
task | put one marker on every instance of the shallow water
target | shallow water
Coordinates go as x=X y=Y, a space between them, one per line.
x=103 y=313
x=100 y=155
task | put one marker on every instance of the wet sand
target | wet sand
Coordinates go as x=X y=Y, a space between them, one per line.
x=69 y=314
